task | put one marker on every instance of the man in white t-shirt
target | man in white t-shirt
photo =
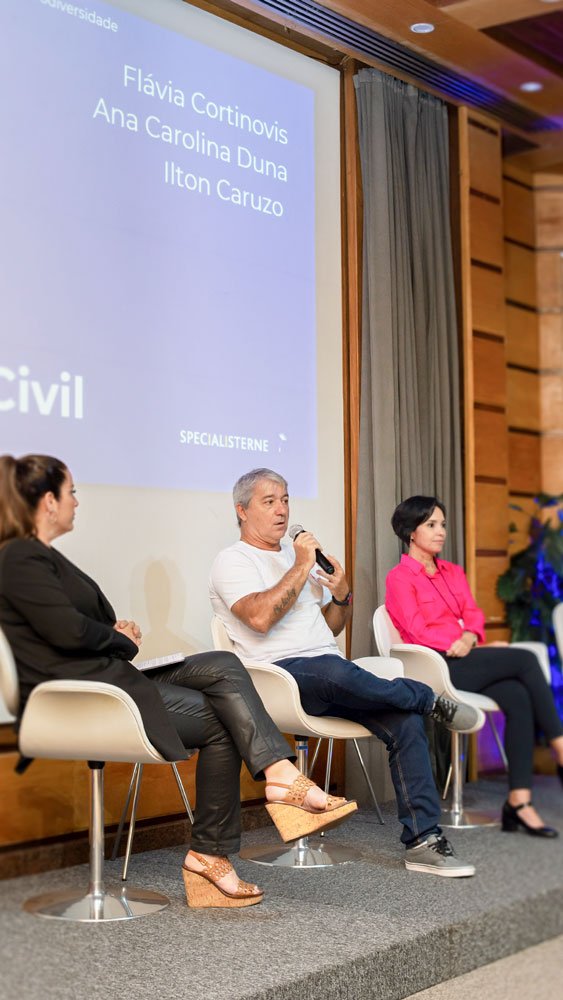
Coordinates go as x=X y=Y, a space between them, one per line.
x=277 y=606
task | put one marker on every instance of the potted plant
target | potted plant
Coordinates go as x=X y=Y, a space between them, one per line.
x=533 y=583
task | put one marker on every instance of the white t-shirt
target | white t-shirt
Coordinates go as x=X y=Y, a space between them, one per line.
x=243 y=569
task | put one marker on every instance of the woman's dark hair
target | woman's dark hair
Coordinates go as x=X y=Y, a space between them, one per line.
x=412 y=512
x=23 y=481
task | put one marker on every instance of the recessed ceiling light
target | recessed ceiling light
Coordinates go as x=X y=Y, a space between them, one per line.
x=422 y=28
x=531 y=86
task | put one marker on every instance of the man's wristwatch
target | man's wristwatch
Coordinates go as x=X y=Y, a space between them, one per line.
x=342 y=604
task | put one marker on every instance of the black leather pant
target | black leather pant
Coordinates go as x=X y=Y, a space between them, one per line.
x=215 y=707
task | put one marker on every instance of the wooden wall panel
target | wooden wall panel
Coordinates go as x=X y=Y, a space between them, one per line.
x=519 y=215
x=520 y=266
x=549 y=218
x=485 y=360
x=491 y=451
x=549 y=233
x=523 y=392
x=551 y=340
x=484 y=160
x=489 y=371
x=487 y=300
x=51 y=798
x=492 y=530
x=489 y=568
x=524 y=463
x=352 y=220
x=552 y=463
x=522 y=344
x=552 y=401
x=486 y=231
x=550 y=279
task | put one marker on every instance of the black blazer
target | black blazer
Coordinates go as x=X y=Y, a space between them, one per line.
x=60 y=626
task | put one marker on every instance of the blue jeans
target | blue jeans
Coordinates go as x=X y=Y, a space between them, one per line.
x=393 y=711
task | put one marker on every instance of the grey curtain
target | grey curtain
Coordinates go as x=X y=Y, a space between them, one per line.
x=410 y=430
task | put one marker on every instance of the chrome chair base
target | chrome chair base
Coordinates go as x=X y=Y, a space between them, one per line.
x=308 y=852
x=457 y=817
x=114 y=903
x=465 y=819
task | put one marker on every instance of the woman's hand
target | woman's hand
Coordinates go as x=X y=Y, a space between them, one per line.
x=130 y=629
x=463 y=645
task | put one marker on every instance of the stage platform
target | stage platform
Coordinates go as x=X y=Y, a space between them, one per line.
x=364 y=930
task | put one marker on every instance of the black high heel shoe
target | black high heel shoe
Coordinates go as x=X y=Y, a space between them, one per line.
x=511 y=821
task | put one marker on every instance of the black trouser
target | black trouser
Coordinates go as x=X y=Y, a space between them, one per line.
x=514 y=679
x=215 y=707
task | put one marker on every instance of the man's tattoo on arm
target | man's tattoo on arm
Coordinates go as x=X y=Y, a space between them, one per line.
x=286 y=599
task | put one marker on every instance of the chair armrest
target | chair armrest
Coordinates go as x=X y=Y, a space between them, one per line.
x=386 y=667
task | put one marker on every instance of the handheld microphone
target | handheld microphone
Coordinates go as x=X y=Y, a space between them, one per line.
x=322 y=561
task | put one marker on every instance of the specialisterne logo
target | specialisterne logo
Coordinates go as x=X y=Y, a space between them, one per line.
x=21 y=392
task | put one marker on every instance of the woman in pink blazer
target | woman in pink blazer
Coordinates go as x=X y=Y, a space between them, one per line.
x=430 y=603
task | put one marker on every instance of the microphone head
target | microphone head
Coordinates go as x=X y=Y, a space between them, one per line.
x=295 y=530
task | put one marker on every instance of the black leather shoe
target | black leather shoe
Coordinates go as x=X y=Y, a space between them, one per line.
x=511 y=821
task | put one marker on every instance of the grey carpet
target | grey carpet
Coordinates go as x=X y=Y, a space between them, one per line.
x=366 y=930
x=533 y=974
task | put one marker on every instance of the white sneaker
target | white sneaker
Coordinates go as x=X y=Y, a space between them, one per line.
x=436 y=856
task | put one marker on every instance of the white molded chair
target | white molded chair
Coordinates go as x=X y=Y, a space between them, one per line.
x=94 y=722
x=423 y=664
x=557 y=619
x=280 y=694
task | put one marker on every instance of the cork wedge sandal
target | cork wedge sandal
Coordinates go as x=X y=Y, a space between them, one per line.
x=294 y=819
x=202 y=889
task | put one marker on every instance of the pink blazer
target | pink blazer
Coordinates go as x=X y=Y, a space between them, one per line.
x=432 y=610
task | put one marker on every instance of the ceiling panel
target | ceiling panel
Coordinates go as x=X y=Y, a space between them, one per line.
x=538 y=38
x=479 y=53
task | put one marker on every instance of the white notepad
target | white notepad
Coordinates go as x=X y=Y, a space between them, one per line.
x=160 y=661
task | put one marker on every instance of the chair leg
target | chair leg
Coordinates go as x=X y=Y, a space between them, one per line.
x=98 y=904
x=368 y=782
x=132 y=822
x=315 y=755
x=457 y=816
x=124 y=812
x=182 y=791
x=447 y=784
x=330 y=748
x=307 y=852
x=134 y=788
x=498 y=740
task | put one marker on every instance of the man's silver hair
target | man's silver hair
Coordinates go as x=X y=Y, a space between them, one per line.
x=244 y=487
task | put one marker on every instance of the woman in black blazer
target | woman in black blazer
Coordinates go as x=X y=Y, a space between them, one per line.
x=60 y=625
